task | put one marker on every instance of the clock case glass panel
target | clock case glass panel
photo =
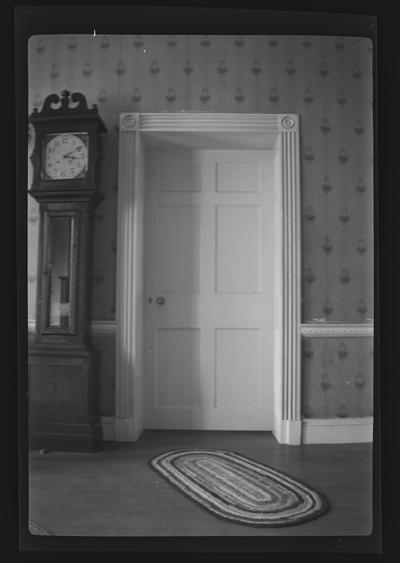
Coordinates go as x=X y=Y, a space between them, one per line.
x=60 y=271
x=82 y=136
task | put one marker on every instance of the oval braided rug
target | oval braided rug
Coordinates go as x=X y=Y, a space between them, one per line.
x=239 y=489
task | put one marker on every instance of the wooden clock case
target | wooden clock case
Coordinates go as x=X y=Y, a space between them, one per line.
x=63 y=386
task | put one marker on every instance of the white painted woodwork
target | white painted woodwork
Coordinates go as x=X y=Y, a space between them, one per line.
x=278 y=132
x=177 y=369
x=337 y=330
x=209 y=249
x=129 y=316
x=291 y=247
x=356 y=330
x=239 y=242
x=314 y=431
x=178 y=266
x=238 y=176
x=96 y=327
x=337 y=430
x=214 y=122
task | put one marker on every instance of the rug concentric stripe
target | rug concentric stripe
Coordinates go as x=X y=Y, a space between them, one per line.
x=239 y=489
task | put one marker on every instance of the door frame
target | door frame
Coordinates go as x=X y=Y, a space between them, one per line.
x=280 y=132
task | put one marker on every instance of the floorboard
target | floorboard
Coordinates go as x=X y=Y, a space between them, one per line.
x=113 y=492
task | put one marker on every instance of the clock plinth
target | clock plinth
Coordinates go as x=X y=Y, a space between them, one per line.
x=63 y=365
x=63 y=413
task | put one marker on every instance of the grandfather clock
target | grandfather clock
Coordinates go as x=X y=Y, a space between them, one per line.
x=63 y=411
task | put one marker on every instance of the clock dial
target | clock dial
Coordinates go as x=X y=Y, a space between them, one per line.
x=66 y=156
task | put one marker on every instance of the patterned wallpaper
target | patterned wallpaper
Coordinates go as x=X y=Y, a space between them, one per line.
x=327 y=80
x=337 y=377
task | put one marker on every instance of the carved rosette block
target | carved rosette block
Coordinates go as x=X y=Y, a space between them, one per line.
x=289 y=123
x=129 y=122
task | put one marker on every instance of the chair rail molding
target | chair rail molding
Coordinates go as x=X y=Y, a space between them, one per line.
x=336 y=330
x=97 y=327
x=276 y=132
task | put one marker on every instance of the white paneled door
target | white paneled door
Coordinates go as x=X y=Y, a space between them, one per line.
x=208 y=289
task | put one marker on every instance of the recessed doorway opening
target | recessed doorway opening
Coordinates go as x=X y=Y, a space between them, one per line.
x=208 y=274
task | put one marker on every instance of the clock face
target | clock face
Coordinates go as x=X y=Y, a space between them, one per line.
x=66 y=156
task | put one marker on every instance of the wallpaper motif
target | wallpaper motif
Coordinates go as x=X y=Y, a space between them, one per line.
x=327 y=80
x=337 y=377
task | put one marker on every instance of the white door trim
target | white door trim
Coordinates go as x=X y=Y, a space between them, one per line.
x=280 y=131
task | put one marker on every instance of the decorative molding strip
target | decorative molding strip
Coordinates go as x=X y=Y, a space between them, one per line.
x=103 y=327
x=201 y=121
x=291 y=251
x=337 y=330
x=126 y=311
x=306 y=329
x=337 y=430
x=108 y=424
x=97 y=327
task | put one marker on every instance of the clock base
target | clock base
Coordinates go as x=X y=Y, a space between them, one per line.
x=83 y=437
x=63 y=400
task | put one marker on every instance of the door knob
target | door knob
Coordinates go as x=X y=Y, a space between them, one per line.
x=160 y=300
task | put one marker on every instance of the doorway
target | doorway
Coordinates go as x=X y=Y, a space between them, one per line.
x=208 y=306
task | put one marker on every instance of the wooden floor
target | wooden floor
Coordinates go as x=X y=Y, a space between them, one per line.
x=113 y=492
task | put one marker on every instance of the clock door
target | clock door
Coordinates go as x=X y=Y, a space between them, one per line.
x=60 y=269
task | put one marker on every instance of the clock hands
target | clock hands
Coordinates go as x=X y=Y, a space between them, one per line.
x=68 y=155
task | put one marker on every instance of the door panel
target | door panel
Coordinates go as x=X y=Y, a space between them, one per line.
x=237 y=352
x=178 y=248
x=238 y=176
x=238 y=249
x=178 y=369
x=208 y=251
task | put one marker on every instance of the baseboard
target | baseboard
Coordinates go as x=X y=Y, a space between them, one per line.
x=337 y=430
x=108 y=424
x=288 y=432
x=119 y=429
x=65 y=436
x=126 y=429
